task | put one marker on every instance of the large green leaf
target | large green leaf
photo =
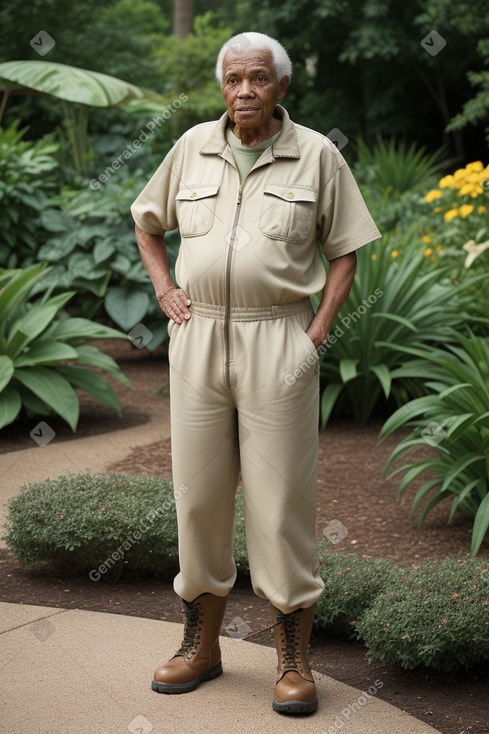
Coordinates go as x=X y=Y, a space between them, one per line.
x=67 y=82
x=93 y=356
x=93 y=383
x=45 y=351
x=10 y=405
x=481 y=525
x=17 y=284
x=6 y=371
x=126 y=306
x=83 y=329
x=53 y=389
x=33 y=323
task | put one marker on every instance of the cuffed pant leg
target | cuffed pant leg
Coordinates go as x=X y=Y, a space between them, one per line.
x=278 y=425
x=205 y=459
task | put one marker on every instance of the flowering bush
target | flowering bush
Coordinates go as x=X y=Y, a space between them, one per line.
x=435 y=615
x=460 y=207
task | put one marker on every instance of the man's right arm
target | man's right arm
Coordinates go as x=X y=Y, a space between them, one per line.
x=173 y=301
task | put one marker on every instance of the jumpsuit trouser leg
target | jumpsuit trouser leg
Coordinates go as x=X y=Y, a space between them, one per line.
x=258 y=411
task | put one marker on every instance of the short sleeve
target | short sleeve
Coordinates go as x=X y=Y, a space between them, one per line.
x=154 y=209
x=346 y=223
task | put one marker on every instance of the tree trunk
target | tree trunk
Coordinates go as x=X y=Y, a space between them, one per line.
x=183 y=17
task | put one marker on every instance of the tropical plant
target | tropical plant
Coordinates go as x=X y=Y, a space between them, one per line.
x=27 y=176
x=392 y=167
x=77 y=89
x=454 y=420
x=42 y=358
x=395 y=301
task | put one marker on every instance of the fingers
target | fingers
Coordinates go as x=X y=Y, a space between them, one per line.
x=175 y=304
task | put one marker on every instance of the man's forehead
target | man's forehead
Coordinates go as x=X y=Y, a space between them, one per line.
x=256 y=58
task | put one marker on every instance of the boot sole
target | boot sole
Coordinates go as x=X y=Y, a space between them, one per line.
x=210 y=674
x=295 y=707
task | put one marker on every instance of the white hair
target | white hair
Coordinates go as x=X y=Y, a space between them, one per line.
x=244 y=41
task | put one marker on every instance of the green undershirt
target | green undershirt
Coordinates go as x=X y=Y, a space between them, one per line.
x=245 y=158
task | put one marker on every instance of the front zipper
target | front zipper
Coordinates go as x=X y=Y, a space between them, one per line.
x=227 y=287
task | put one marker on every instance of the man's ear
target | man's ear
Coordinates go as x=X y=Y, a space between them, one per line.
x=283 y=85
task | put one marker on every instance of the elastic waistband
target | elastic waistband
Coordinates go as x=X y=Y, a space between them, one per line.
x=264 y=313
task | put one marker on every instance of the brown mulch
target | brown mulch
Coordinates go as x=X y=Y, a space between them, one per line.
x=351 y=489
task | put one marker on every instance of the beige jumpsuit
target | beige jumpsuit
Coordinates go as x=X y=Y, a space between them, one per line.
x=249 y=261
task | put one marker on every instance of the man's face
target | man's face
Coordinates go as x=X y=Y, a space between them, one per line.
x=250 y=87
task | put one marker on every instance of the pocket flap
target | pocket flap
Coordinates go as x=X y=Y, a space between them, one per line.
x=291 y=193
x=196 y=192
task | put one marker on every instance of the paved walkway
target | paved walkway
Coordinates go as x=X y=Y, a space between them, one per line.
x=78 y=672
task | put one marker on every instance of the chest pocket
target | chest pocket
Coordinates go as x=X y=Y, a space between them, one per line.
x=287 y=212
x=195 y=209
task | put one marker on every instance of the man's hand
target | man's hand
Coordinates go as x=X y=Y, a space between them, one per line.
x=317 y=334
x=175 y=304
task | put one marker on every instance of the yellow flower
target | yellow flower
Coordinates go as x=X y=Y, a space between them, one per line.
x=394 y=253
x=446 y=182
x=426 y=239
x=465 y=210
x=468 y=188
x=459 y=174
x=481 y=209
x=373 y=257
x=437 y=210
x=427 y=252
x=450 y=214
x=438 y=248
x=475 y=166
x=432 y=195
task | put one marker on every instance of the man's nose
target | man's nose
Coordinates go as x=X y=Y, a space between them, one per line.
x=245 y=89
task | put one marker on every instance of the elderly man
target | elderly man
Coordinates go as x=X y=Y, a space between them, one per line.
x=254 y=196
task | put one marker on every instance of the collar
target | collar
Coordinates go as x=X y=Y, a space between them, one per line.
x=286 y=146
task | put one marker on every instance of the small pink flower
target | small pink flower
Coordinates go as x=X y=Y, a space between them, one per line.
x=102 y=509
x=61 y=517
x=419 y=591
x=454 y=596
x=346 y=592
x=388 y=624
x=416 y=567
x=353 y=622
x=445 y=621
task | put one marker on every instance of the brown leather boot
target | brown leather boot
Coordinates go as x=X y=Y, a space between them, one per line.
x=199 y=657
x=295 y=691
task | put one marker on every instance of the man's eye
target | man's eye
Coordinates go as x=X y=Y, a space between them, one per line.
x=260 y=78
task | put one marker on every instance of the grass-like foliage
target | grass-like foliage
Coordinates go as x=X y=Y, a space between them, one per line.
x=454 y=420
x=395 y=301
x=434 y=616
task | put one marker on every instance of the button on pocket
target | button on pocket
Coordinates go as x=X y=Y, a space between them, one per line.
x=195 y=209
x=287 y=212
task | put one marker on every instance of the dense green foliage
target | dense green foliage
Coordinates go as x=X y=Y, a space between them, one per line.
x=434 y=616
x=44 y=358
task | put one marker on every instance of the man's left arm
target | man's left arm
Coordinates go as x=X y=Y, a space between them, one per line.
x=338 y=284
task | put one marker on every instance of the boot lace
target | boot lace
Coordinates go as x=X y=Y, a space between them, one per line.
x=192 y=618
x=290 y=641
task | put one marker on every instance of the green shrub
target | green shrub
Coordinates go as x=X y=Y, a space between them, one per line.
x=351 y=585
x=454 y=420
x=28 y=174
x=435 y=616
x=395 y=301
x=42 y=358
x=103 y=523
